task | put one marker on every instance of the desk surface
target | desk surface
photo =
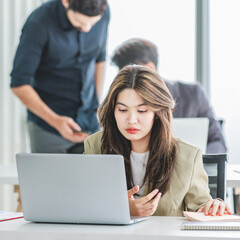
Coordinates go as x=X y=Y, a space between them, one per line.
x=8 y=175
x=154 y=228
x=233 y=178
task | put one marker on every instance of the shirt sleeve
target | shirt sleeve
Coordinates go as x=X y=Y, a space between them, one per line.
x=216 y=143
x=102 y=55
x=28 y=54
x=198 y=192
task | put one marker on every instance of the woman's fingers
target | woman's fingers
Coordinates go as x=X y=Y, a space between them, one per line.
x=144 y=206
x=149 y=197
x=215 y=207
x=150 y=207
x=207 y=206
x=228 y=210
x=132 y=191
x=222 y=207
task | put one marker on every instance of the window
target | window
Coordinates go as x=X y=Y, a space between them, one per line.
x=225 y=65
x=169 y=24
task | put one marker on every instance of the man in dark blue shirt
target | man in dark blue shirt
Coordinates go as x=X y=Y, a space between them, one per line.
x=58 y=72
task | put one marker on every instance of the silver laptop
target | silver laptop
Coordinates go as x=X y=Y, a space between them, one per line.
x=74 y=188
x=192 y=130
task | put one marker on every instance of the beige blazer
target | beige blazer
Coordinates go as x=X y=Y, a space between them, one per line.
x=188 y=188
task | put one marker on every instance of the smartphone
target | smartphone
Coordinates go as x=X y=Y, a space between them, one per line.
x=77 y=131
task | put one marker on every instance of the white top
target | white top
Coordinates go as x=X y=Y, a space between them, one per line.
x=139 y=164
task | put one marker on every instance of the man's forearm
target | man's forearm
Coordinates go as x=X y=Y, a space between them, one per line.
x=99 y=74
x=63 y=124
x=35 y=104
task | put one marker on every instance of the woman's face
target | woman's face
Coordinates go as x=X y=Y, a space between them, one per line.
x=134 y=119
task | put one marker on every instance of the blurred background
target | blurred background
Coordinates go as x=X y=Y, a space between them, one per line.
x=198 y=40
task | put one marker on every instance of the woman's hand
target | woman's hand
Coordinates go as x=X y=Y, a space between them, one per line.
x=215 y=207
x=144 y=206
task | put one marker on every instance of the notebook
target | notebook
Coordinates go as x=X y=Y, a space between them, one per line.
x=74 y=188
x=218 y=225
x=198 y=221
x=192 y=130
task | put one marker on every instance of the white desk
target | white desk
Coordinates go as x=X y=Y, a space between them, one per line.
x=8 y=175
x=233 y=180
x=164 y=228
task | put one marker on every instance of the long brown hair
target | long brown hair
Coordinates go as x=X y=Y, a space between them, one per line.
x=162 y=150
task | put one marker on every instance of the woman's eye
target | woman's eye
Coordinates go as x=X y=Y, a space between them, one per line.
x=122 y=110
x=142 y=111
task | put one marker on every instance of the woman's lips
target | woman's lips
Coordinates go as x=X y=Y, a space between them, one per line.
x=132 y=130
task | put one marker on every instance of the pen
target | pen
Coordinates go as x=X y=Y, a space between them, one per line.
x=236 y=171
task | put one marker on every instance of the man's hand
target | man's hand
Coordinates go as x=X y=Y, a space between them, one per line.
x=69 y=129
x=64 y=125
x=145 y=206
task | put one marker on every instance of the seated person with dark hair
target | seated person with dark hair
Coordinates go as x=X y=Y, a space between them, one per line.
x=190 y=98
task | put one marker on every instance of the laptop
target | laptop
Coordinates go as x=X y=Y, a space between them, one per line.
x=192 y=130
x=74 y=188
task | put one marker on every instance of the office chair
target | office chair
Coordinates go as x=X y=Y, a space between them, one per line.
x=221 y=122
x=214 y=165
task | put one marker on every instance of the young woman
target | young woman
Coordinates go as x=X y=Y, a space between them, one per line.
x=165 y=176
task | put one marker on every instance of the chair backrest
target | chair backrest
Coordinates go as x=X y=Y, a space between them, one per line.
x=214 y=165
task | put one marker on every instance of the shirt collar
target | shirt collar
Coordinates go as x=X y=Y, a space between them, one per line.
x=63 y=19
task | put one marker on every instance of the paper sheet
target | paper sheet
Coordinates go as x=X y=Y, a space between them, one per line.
x=4 y=216
x=201 y=217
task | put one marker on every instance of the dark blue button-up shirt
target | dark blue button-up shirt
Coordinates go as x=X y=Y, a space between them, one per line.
x=59 y=62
